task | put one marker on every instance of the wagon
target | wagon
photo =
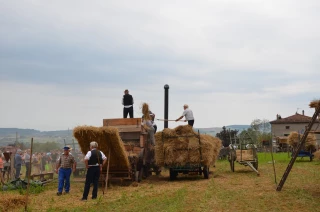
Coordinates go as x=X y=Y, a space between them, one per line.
x=246 y=154
x=188 y=168
x=303 y=154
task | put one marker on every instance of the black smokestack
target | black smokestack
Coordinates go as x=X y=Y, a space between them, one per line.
x=166 y=105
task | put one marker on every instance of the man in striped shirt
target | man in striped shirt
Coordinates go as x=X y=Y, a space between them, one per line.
x=65 y=165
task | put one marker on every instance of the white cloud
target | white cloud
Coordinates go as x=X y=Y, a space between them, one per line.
x=64 y=63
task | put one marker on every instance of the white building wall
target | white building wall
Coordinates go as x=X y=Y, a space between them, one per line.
x=280 y=129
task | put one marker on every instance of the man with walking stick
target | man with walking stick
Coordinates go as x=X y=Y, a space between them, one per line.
x=94 y=161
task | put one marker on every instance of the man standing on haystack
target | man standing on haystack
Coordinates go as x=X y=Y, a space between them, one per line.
x=65 y=165
x=127 y=102
x=188 y=114
x=94 y=161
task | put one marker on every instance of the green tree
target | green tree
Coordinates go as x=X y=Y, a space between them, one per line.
x=227 y=136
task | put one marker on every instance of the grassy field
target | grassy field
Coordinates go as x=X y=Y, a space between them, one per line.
x=242 y=190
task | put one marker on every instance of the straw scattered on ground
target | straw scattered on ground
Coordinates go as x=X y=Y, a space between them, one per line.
x=10 y=201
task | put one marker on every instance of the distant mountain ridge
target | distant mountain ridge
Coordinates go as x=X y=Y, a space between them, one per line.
x=8 y=135
x=214 y=130
x=31 y=132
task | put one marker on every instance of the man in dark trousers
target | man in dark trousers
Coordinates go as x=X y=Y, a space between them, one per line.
x=188 y=114
x=94 y=161
x=127 y=102
x=18 y=163
x=26 y=158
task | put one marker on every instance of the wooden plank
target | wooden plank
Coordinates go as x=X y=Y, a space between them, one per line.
x=129 y=129
x=116 y=122
x=315 y=132
x=130 y=136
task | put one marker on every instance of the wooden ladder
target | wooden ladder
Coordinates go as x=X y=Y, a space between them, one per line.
x=301 y=144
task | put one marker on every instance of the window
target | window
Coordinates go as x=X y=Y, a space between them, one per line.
x=287 y=127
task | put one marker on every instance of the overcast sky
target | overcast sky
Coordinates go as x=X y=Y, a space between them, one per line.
x=67 y=63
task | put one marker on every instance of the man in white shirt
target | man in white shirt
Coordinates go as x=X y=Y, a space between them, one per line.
x=94 y=161
x=188 y=114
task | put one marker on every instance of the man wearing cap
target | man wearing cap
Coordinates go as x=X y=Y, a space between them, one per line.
x=65 y=165
x=18 y=163
x=188 y=114
x=127 y=102
x=94 y=161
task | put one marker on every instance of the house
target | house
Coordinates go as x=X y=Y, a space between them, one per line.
x=281 y=127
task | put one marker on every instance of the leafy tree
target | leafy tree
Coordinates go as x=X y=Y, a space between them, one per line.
x=227 y=136
x=260 y=130
x=261 y=125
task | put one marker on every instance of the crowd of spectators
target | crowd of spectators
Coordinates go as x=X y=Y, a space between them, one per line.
x=41 y=162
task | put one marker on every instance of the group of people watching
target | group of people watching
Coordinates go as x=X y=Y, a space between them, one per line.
x=42 y=162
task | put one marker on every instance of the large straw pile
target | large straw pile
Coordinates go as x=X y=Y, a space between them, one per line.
x=178 y=151
x=317 y=155
x=314 y=103
x=310 y=144
x=107 y=138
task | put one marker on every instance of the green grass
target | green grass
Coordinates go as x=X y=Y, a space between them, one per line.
x=241 y=190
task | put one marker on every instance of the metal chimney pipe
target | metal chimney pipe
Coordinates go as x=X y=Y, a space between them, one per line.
x=166 y=105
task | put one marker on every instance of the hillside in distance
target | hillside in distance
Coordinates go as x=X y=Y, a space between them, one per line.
x=214 y=130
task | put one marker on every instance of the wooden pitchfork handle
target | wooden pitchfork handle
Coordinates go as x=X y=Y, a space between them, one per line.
x=169 y=120
x=106 y=183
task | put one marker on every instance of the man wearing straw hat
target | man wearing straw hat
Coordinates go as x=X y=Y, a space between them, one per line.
x=94 y=161
x=127 y=102
x=188 y=114
x=65 y=165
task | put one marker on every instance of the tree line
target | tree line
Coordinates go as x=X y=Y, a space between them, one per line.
x=259 y=133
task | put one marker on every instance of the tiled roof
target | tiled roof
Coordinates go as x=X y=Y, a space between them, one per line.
x=297 y=118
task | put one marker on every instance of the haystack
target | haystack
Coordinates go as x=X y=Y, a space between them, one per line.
x=314 y=103
x=317 y=155
x=173 y=150
x=107 y=138
x=310 y=144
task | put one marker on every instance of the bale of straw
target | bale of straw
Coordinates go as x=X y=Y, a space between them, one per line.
x=244 y=154
x=10 y=201
x=172 y=150
x=317 y=155
x=314 y=103
x=107 y=138
x=310 y=144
